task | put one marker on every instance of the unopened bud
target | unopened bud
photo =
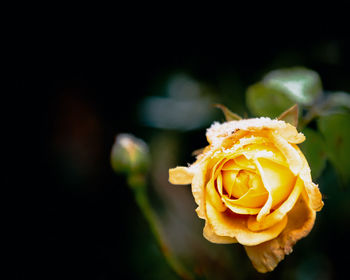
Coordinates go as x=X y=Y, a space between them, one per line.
x=130 y=155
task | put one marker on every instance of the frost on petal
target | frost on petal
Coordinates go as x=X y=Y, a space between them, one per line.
x=290 y=133
x=267 y=255
x=218 y=131
x=235 y=226
x=210 y=235
x=180 y=176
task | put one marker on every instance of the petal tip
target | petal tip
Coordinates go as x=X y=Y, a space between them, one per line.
x=180 y=176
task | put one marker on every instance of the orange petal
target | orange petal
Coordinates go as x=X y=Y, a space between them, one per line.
x=290 y=133
x=235 y=226
x=228 y=129
x=211 y=236
x=267 y=255
x=198 y=184
x=239 y=209
x=180 y=176
x=243 y=163
x=228 y=181
x=230 y=165
x=214 y=196
x=312 y=190
x=291 y=154
x=241 y=184
x=280 y=212
x=267 y=150
x=265 y=210
x=279 y=179
x=253 y=199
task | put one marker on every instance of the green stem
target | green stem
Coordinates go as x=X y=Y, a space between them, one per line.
x=144 y=204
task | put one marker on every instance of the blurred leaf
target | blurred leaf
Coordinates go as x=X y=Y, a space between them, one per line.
x=185 y=105
x=229 y=116
x=334 y=103
x=336 y=131
x=314 y=150
x=300 y=84
x=337 y=102
x=290 y=115
x=266 y=101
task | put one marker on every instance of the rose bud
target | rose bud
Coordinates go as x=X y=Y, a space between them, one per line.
x=130 y=155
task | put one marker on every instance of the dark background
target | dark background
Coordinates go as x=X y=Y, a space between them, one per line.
x=75 y=218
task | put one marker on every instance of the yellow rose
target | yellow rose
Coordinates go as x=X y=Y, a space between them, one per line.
x=253 y=186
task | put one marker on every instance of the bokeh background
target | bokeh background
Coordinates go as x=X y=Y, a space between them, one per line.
x=78 y=219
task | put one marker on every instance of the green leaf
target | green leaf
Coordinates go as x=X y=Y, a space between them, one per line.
x=336 y=131
x=314 y=150
x=229 y=116
x=263 y=100
x=300 y=84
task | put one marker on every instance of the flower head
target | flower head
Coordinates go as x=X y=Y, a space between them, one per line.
x=253 y=186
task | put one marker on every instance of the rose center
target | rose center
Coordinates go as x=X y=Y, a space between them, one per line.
x=244 y=182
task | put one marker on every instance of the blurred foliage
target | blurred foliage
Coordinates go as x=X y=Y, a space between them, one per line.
x=184 y=104
x=280 y=89
x=335 y=129
x=315 y=151
x=301 y=85
x=266 y=101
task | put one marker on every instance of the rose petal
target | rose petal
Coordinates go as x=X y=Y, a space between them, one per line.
x=198 y=183
x=268 y=151
x=210 y=235
x=230 y=165
x=267 y=207
x=291 y=154
x=235 y=226
x=312 y=189
x=280 y=212
x=216 y=170
x=291 y=134
x=267 y=255
x=279 y=179
x=228 y=181
x=246 y=141
x=239 y=209
x=233 y=138
x=254 y=198
x=243 y=163
x=218 y=131
x=180 y=176
x=214 y=196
